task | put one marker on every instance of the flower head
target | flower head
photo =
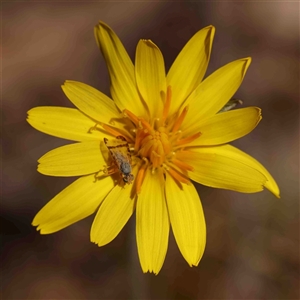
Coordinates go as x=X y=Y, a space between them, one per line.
x=141 y=150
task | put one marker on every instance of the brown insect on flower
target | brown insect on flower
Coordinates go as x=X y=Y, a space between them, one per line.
x=120 y=153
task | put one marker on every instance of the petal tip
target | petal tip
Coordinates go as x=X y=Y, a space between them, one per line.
x=248 y=60
x=100 y=25
x=45 y=231
x=30 y=111
x=34 y=222
x=209 y=27
x=246 y=63
x=147 y=42
x=259 y=115
x=38 y=168
x=275 y=191
x=212 y=29
x=39 y=228
x=100 y=22
x=244 y=60
x=64 y=87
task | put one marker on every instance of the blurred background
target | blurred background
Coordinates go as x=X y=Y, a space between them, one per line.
x=252 y=247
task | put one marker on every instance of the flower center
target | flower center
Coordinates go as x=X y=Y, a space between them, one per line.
x=155 y=146
x=157 y=142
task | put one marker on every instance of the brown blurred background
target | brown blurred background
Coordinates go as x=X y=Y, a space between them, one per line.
x=252 y=247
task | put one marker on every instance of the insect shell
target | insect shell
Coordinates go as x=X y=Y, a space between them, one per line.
x=120 y=154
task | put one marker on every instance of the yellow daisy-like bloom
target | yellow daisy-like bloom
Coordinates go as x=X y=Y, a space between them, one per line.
x=175 y=134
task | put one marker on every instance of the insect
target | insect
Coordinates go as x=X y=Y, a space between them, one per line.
x=232 y=103
x=120 y=153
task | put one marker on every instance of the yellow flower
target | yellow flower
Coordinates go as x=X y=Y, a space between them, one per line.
x=175 y=134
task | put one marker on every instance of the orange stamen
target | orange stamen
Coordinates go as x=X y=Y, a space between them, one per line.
x=137 y=121
x=155 y=158
x=160 y=149
x=139 y=137
x=115 y=132
x=182 y=165
x=146 y=124
x=186 y=155
x=176 y=136
x=178 y=177
x=167 y=104
x=179 y=121
x=145 y=149
x=131 y=116
x=111 y=130
x=140 y=178
x=188 y=139
x=166 y=143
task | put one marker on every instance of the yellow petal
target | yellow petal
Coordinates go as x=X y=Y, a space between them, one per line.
x=112 y=215
x=216 y=168
x=91 y=101
x=214 y=92
x=66 y=123
x=73 y=160
x=190 y=66
x=121 y=70
x=187 y=220
x=150 y=76
x=226 y=127
x=152 y=223
x=230 y=151
x=77 y=201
